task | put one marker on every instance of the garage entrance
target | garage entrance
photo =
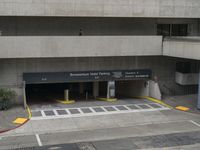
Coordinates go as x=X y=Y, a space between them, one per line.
x=50 y=92
x=48 y=87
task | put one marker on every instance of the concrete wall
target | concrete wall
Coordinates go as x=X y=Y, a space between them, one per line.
x=154 y=90
x=78 y=46
x=108 y=8
x=187 y=78
x=132 y=88
x=69 y=26
x=163 y=69
x=184 y=48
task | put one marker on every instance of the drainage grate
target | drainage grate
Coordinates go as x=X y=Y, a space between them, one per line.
x=143 y=106
x=86 y=110
x=49 y=113
x=133 y=107
x=110 y=108
x=36 y=114
x=61 y=112
x=121 y=108
x=74 y=111
x=98 y=109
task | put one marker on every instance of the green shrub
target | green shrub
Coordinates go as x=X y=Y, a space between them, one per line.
x=6 y=97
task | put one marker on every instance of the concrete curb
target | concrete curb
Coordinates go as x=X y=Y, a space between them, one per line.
x=6 y=130
x=107 y=99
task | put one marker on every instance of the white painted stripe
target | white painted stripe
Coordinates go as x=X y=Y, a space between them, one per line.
x=96 y=114
x=43 y=114
x=149 y=106
x=160 y=105
x=195 y=123
x=138 y=106
x=81 y=112
x=116 y=108
x=38 y=139
x=68 y=112
x=55 y=112
x=104 y=109
x=127 y=108
x=92 y=109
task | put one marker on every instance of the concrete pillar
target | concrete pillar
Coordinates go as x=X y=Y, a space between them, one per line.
x=95 y=89
x=111 y=89
x=198 y=105
x=81 y=88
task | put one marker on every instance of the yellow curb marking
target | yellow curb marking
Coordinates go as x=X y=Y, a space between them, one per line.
x=20 y=120
x=29 y=112
x=107 y=99
x=156 y=101
x=182 y=108
x=66 y=101
x=23 y=120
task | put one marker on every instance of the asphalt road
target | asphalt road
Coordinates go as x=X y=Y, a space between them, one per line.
x=145 y=142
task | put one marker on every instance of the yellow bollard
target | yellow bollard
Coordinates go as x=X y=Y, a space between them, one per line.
x=66 y=95
x=66 y=98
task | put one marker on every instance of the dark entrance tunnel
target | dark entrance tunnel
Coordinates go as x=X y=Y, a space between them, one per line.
x=49 y=93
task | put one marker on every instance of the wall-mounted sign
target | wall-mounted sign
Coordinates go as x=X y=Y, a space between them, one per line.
x=84 y=76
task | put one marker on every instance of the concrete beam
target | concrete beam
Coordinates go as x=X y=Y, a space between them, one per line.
x=183 y=48
x=101 y=8
x=78 y=46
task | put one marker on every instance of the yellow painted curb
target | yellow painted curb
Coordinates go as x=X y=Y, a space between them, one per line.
x=182 y=108
x=29 y=112
x=156 y=101
x=107 y=99
x=66 y=101
x=20 y=120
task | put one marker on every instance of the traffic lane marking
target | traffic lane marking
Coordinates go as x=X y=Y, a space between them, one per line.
x=38 y=139
x=195 y=123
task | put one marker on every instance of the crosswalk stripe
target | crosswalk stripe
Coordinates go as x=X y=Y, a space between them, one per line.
x=115 y=110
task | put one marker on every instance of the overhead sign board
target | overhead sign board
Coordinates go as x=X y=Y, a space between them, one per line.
x=84 y=76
